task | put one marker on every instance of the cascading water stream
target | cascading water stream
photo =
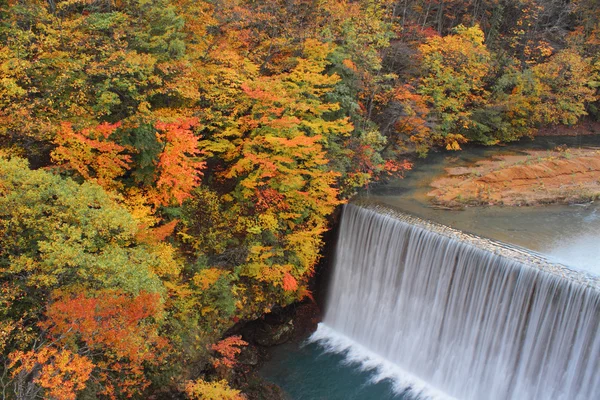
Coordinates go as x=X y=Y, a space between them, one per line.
x=454 y=316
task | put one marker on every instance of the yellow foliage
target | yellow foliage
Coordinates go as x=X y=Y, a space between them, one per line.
x=166 y=264
x=453 y=80
x=207 y=277
x=137 y=204
x=566 y=83
x=218 y=390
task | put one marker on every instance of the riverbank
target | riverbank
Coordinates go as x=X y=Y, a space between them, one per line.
x=283 y=326
x=535 y=177
x=587 y=126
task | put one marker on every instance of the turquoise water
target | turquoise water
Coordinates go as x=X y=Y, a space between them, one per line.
x=308 y=372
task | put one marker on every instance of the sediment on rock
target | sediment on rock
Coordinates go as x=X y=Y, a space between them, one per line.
x=562 y=176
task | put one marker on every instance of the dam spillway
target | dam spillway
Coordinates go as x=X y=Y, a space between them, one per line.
x=460 y=316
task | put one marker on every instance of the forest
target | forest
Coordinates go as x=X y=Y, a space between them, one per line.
x=168 y=167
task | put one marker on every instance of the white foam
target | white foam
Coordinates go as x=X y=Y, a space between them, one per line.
x=382 y=369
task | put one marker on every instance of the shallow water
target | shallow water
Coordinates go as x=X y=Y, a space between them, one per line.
x=567 y=234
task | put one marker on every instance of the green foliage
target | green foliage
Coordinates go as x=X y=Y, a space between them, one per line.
x=59 y=234
x=453 y=82
x=59 y=238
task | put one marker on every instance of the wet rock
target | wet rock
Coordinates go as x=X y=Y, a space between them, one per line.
x=249 y=356
x=306 y=319
x=256 y=388
x=273 y=335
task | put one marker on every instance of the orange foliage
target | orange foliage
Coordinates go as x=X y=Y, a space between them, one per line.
x=228 y=348
x=116 y=325
x=60 y=372
x=289 y=282
x=392 y=167
x=158 y=234
x=207 y=277
x=179 y=171
x=91 y=153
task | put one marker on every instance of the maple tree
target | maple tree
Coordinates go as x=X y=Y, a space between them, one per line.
x=91 y=154
x=118 y=331
x=227 y=349
x=60 y=373
x=178 y=170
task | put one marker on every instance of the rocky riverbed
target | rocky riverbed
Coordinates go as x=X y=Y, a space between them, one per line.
x=561 y=175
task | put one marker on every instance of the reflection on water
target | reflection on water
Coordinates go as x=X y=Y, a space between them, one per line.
x=580 y=248
x=569 y=234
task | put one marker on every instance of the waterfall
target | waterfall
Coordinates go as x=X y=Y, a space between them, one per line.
x=460 y=315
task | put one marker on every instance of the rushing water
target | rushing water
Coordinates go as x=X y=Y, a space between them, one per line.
x=444 y=316
x=314 y=371
x=414 y=315
x=567 y=234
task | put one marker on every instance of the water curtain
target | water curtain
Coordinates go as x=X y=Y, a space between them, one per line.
x=461 y=315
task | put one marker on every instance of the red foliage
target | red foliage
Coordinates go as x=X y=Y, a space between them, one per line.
x=119 y=329
x=289 y=282
x=228 y=348
x=416 y=33
x=393 y=167
x=269 y=198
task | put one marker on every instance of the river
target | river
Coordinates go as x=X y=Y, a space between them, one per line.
x=566 y=234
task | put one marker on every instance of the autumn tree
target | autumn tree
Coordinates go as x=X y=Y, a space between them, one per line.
x=566 y=86
x=276 y=155
x=58 y=238
x=178 y=167
x=187 y=154
x=54 y=373
x=121 y=63
x=217 y=390
x=118 y=332
x=453 y=82
x=91 y=154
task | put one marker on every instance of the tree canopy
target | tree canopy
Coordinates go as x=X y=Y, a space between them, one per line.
x=168 y=167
